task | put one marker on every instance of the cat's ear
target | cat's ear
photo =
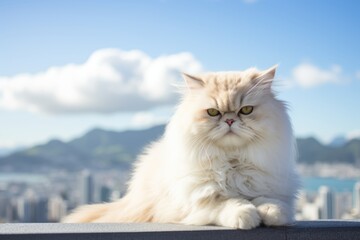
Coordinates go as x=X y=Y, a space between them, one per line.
x=270 y=72
x=266 y=77
x=193 y=82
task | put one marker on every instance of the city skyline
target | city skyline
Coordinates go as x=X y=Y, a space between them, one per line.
x=55 y=194
x=56 y=61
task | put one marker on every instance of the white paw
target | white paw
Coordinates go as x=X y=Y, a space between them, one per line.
x=272 y=215
x=239 y=215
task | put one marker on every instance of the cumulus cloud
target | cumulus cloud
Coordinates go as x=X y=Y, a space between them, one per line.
x=111 y=80
x=307 y=75
x=355 y=134
x=148 y=119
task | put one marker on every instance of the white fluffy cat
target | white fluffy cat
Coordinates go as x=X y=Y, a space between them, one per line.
x=227 y=158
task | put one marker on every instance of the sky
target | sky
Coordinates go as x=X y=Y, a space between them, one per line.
x=69 y=66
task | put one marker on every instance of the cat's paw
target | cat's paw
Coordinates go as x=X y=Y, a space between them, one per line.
x=273 y=215
x=239 y=215
x=273 y=212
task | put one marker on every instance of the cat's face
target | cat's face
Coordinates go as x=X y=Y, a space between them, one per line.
x=231 y=108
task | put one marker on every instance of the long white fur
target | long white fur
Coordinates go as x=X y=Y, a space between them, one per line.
x=198 y=174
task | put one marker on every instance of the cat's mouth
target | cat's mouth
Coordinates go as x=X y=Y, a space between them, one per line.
x=230 y=132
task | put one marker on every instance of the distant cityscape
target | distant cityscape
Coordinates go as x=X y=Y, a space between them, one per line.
x=48 y=198
x=328 y=204
x=29 y=198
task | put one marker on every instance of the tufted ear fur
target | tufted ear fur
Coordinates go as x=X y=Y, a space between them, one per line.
x=270 y=72
x=265 y=79
x=193 y=82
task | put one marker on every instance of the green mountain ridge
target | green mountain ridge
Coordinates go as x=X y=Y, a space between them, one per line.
x=311 y=151
x=97 y=149
x=104 y=149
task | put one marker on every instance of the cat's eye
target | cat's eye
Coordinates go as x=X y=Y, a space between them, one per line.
x=213 y=112
x=246 y=110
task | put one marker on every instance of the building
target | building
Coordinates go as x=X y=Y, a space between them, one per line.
x=86 y=187
x=32 y=208
x=26 y=209
x=326 y=203
x=342 y=204
x=57 y=208
x=5 y=205
x=356 y=197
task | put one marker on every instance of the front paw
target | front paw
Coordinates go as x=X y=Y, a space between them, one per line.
x=239 y=215
x=273 y=215
x=273 y=212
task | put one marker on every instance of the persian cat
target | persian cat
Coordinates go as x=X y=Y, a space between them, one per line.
x=226 y=158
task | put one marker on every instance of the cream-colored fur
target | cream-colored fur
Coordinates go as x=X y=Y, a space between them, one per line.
x=203 y=171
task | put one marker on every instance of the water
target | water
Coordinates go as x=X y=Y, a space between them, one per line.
x=312 y=184
x=22 y=177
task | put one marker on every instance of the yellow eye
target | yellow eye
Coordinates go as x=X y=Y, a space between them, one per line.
x=246 y=110
x=213 y=112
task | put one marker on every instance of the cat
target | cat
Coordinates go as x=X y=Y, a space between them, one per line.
x=227 y=158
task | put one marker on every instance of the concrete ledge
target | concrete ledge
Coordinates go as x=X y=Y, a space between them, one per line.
x=308 y=230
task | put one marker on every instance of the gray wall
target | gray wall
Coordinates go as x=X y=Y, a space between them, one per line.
x=303 y=230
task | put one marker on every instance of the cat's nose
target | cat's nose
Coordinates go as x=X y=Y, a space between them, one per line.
x=230 y=121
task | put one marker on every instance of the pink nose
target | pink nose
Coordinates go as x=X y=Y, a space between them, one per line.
x=229 y=121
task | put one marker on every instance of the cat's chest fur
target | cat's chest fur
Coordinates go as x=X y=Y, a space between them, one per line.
x=237 y=176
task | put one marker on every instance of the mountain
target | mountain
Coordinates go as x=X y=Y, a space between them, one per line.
x=96 y=149
x=338 y=141
x=103 y=149
x=7 y=150
x=311 y=151
x=100 y=142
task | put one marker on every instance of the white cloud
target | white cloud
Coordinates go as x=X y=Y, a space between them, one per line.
x=147 y=119
x=111 y=80
x=307 y=75
x=353 y=134
x=9 y=144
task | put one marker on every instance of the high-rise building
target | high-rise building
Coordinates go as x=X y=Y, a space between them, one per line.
x=26 y=209
x=86 y=187
x=57 y=208
x=326 y=203
x=105 y=194
x=5 y=204
x=41 y=210
x=342 y=204
x=356 y=197
x=12 y=214
x=32 y=208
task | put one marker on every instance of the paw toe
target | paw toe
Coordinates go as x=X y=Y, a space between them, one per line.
x=273 y=215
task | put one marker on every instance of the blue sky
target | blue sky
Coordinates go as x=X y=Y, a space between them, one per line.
x=316 y=44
